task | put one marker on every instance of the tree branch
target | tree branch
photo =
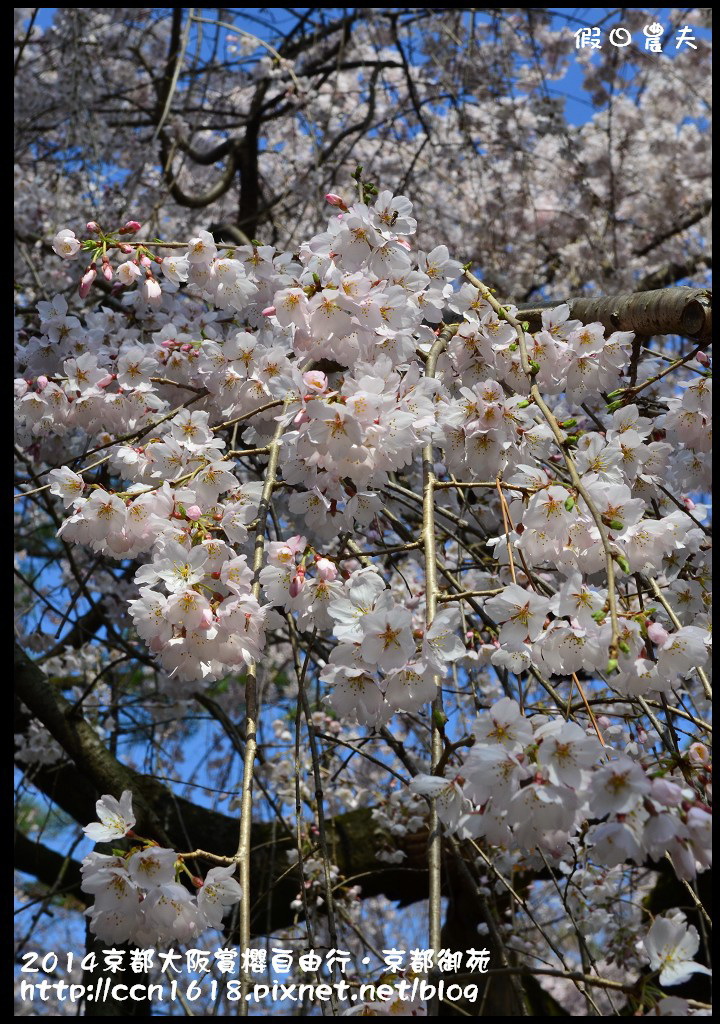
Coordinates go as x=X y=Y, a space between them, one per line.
x=669 y=273
x=679 y=310
x=688 y=221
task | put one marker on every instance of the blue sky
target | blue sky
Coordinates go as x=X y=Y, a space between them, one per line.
x=577 y=106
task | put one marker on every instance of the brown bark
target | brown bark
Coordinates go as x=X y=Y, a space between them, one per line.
x=678 y=310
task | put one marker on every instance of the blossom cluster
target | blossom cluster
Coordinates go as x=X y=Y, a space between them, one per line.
x=205 y=619
x=138 y=896
x=356 y=295
x=384 y=660
x=587 y=603
x=532 y=784
x=317 y=359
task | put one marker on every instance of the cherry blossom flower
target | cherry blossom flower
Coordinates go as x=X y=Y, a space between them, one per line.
x=449 y=800
x=505 y=725
x=387 y=638
x=66 y=484
x=116 y=818
x=170 y=913
x=129 y=272
x=176 y=268
x=493 y=772
x=152 y=866
x=683 y=651
x=65 y=244
x=618 y=787
x=521 y=612
x=441 y=642
x=362 y=590
x=201 y=249
x=565 y=749
x=177 y=567
x=219 y=891
x=671 y=945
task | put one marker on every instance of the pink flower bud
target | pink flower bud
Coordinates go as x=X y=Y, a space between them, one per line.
x=269 y=311
x=93 y=227
x=336 y=200
x=145 y=261
x=689 y=504
x=300 y=418
x=151 y=291
x=42 y=382
x=125 y=248
x=207 y=619
x=404 y=244
x=326 y=569
x=667 y=793
x=107 y=272
x=107 y=379
x=88 y=278
x=657 y=634
x=130 y=228
x=703 y=358
x=193 y=513
x=297 y=583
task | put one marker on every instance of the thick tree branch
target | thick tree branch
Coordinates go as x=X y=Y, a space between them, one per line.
x=195 y=202
x=83 y=630
x=688 y=221
x=211 y=156
x=669 y=273
x=178 y=823
x=679 y=310
x=49 y=867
